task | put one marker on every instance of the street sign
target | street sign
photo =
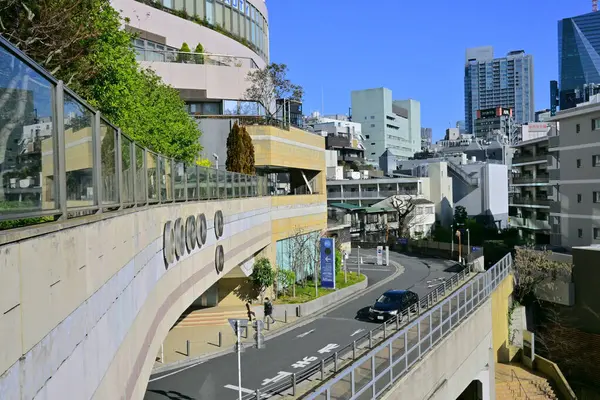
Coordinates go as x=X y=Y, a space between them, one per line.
x=379 y=255
x=242 y=323
x=327 y=247
x=402 y=240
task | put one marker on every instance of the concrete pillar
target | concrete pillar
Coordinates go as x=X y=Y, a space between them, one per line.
x=487 y=379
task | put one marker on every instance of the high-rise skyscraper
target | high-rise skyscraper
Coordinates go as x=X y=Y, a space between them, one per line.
x=426 y=137
x=505 y=82
x=578 y=59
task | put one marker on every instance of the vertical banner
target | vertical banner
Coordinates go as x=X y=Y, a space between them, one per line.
x=327 y=247
x=379 y=255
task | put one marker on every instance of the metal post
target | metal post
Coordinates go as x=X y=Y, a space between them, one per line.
x=119 y=164
x=162 y=353
x=354 y=350
x=452 y=239
x=370 y=339
x=173 y=197
x=468 y=244
x=239 y=359
x=322 y=370
x=358 y=261
x=220 y=339
x=60 y=149
x=257 y=393
x=285 y=316
x=96 y=162
x=345 y=269
x=293 y=384
x=145 y=175
x=335 y=361
x=385 y=330
x=187 y=347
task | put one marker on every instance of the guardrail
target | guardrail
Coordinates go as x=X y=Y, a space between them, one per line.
x=522 y=390
x=61 y=157
x=188 y=57
x=363 y=347
x=376 y=371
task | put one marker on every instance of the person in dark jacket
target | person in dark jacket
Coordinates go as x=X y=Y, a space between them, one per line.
x=269 y=310
x=250 y=312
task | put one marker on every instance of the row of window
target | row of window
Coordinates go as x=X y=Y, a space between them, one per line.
x=595 y=161
x=595 y=197
x=595 y=233
x=237 y=17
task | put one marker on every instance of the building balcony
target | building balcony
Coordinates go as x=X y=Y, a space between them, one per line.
x=526 y=180
x=337 y=141
x=529 y=223
x=530 y=201
x=529 y=158
x=200 y=75
x=553 y=141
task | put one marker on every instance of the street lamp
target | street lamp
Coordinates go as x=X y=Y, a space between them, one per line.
x=216 y=160
x=468 y=244
x=452 y=239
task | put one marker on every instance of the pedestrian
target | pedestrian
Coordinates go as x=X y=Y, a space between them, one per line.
x=250 y=312
x=269 y=310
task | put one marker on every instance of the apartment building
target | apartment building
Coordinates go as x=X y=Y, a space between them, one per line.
x=341 y=136
x=529 y=206
x=574 y=175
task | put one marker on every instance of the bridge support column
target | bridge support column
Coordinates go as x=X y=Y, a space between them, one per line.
x=487 y=379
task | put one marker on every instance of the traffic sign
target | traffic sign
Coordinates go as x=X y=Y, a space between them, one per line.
x=242 y=323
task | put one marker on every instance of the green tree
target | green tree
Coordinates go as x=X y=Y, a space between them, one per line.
x=263 y=275
x=81 y=42
x=182 y=57
x=338 y=262
x=199 y=57
x=460 y=215
x=249 y=161
x=236 y=156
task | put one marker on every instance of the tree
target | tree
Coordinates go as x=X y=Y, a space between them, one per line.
x=249 y=165
x=263 y=276
x=81 y=42
x=199 y=56
x=285 y=280
x=240 y=151
x=270 y=84
x=460 y=215
x=532 y=268
x=299 y=247
x=404 y=206
x=203 y=162
x=181 y=56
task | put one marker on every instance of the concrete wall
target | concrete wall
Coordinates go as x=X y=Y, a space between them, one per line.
x=501 y=300
x=460 y=358
x=90 y=322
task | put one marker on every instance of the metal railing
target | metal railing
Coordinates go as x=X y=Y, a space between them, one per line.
x=539 y=178
x=524 y=158
x=441 y=305
x=522 y=390
x=65 y=159
x=473 y=181
x=250 y=120
x=182 y=57
x=533 y=201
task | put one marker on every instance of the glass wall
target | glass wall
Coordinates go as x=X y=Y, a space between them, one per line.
x=299 y=253
x=238 y=17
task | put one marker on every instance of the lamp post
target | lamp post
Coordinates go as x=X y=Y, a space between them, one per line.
x=468 y=244
x=452 y=239
x=216 y=160
x=358 y=261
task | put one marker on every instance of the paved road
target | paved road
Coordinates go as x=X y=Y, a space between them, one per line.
x=217 y=378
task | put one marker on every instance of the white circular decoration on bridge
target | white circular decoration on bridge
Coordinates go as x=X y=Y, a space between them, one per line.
x=219 y=259
x=179 y=238
x=190 y=233
x=201 y=229
x=219 y=224
x=169 y=243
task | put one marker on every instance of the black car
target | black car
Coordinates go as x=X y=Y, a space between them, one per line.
x=391 y=303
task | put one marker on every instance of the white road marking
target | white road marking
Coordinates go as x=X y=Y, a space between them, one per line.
x=280 y=375
x=353 y=269
x=175 y=372
x=306 y=333
x=328 y=348
x=356 y=332
x=305 y=362
x=244 y=390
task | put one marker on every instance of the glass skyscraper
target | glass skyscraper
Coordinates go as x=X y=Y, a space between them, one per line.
x=578 y=58
x=505 y=82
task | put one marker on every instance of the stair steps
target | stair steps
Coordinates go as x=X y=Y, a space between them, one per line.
x=215 y=316
x=529 y=385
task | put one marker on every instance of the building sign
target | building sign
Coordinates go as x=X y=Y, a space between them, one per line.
x=538 y=126
x=327 y=247
x=494 y=112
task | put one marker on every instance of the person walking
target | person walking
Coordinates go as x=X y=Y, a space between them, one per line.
x=269 y=310
x=250 y=312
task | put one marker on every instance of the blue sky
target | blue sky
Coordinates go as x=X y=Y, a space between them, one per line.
x=415 y=48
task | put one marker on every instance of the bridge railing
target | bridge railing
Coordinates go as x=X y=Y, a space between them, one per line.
x=59 y=157
x=372 y=363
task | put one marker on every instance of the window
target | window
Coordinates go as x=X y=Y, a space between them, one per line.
x=596 y=124
x=367 y=136
x=372 y=117
x=596 y=160
x=579 y=163
x=596 y=197
x=579 y=198
x=372 y=125
x=372 y=144
x=577 y=128
x=596 y=233
x=580 y=233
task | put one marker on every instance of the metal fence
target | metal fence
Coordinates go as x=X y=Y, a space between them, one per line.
x=370 y=364
x=60 y=157
x=182 y=57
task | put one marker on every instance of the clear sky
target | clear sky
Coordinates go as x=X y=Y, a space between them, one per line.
x=414 y=48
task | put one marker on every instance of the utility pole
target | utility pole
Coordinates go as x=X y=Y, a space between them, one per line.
x=239 y=358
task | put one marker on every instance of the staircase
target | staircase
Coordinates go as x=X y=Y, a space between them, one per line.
x=212 y=316
x=513 y=381
x=469 y=180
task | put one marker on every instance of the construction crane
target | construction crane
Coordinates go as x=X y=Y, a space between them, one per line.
x=594 y=5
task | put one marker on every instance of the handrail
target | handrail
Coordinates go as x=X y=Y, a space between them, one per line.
x=522 y=390
x=369 y=340
x=448 y=312
x=190 y=57
x=70 y=161
x=472 y=181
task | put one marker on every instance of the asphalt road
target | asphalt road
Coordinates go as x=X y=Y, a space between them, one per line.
x=294 y=350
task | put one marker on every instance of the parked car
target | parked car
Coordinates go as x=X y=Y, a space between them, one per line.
x=391 y=303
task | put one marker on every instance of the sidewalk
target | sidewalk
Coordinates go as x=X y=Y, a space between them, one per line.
x=204 y=340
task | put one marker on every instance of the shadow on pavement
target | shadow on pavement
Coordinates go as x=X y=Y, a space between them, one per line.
x=363 y=315
x=172 y=395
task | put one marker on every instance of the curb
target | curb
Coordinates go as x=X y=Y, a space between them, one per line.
x=184 y=364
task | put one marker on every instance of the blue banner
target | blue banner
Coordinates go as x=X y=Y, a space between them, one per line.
x=327 y=247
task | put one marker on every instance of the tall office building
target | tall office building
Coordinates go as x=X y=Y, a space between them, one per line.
x=578 y=59
x=505 y=82
x=387 y=124
x=426 y=138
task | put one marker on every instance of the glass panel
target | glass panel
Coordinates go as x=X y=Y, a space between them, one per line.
x=192 y=182
x=108 y=159
x=229 y=179
x=27 y=137
x=168 y=3
x=212 y=183
x=227 y=20
x=222 y=184
x=236 y=184
x=179 y=175
x=235 y=24
x=189 y=7
x=152 y=174
x=210 y=12
x=248 y=186
x=79 y=153
x=243 y=185
x=218 y=14
x=140 y=175
x=178 y=4
x=126 y=146
x=166 y=193
x=203 y=177
x=200 y=8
